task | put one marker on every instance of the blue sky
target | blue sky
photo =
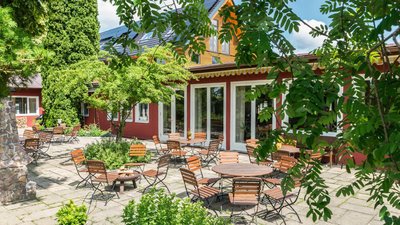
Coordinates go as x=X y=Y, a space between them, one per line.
x=306 y=9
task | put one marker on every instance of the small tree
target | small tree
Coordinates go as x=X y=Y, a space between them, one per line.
x=152 y=77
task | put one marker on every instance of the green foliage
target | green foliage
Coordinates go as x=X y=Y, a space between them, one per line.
x=73 y=37
x=114 y=154
x=19 y=54
x=71 y=214
x=92 y=130
x=156 y=207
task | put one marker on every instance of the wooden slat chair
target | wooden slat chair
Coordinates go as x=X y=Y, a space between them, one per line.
x=98 y=174
x=200 y=135
x=252 y=141
x=196 y=192
x=79 y=159
x=253 y=158
x=45 y=142
x=32 y=147
x=73 y=136
x=278 y=200
x=245 y=192
x=210 y=153
x=159 y=148
x=28 y=134
x=228 y=157
x=137 y=150
x=175 y=150
x=194 y=165
x=174 y=136
x=221 y=140
x=58 y=134
x=158 y=175
x=282 y=166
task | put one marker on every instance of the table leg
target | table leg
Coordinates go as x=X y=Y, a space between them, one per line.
x=121 y=186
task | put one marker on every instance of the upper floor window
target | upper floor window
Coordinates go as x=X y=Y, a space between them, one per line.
x=147 y=36
x=195 y=58
x=26 y=105
x=225 y=47
x=215 y=60
x=142 y=113
x=84 y=109
x=214 y=39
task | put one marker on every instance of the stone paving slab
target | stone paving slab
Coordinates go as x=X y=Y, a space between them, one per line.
x=57 y=178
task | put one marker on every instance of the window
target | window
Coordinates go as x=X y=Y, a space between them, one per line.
x=147 y=36
x=142 y=113
x=84 y=109
x=113 y=116
x=195 y=58
x=215 y=60
x=214 y=39
x=130 y=116
x=225 y=47
x=26 y=105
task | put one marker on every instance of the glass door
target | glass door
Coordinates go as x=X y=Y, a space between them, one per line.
x=208 y=110
x=172 y=116
x=245 y=123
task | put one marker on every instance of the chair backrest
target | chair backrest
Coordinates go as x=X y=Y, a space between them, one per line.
x=58 y=130
x=250 y=153
x=35 y=128
x=286 y=163
x=200 y=135
x=45 y=137
x=156 y=140
x=174 y=136
x=163 y=162
x=96 y=167
x=278 y=155
x=32 y=143
x=173 y=145
x=317 y=156
x=28 y=134
x=189 y=178
x=213 y=146
x=246 y=186
x=137 y=150
x=78 y=157
x=221 y=137
x=252 y=141
x=194 y=163
x=228 y=157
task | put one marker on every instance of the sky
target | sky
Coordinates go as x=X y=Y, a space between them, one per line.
x=306 y=9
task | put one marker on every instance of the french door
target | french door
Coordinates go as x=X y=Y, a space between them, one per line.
x=208 y=110
x=172 y=116
x=244 y=114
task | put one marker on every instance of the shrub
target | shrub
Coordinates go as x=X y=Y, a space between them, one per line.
x=71 y=214
x=114 y=154
x=92 y=130
x=156 y=207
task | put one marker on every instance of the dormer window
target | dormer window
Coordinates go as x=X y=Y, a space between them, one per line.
x=214 y=39
x=147 y=36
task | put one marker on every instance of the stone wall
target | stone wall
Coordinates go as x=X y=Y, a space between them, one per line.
x=14 y=185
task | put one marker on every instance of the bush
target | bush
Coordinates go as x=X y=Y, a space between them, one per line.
x=114 y=154
x=92 y=130
x=156 y=207
x=71 y=214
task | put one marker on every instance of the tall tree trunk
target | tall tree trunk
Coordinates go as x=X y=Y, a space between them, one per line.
x=14 y=185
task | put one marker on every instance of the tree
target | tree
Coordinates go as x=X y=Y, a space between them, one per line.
x=73 y=36
x=152 y=77
x=355 y=40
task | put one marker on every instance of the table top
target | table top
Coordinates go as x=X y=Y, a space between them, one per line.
x=289 y=149
x=191 y=141
x=242 y=169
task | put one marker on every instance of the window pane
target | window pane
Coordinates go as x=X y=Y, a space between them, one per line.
x=21 y=105
x=217 y=111
x=262 y=128
x=167 y=118
x=215 y=60
x=196 y=58
x=180 y=113
x=200 y=110
x=143 y=113
x=243 y=115
x=130 y=115
x=32 y=106
x=225 y=47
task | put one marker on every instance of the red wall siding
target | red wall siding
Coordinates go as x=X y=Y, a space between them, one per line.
x=30 y=92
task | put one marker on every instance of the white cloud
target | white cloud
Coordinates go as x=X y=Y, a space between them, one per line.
x=303 y=41
x=107 y=15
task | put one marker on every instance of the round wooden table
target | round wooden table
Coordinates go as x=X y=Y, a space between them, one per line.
x=242 y=169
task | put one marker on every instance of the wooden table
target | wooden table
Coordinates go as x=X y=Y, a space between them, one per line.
x=291 y=150
x=190 y=142
x=242 y=169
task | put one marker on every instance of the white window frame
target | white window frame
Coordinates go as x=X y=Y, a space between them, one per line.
x=129 y=120
x=109 y=115
x=137 y=114
x=225 y=47
x=83 y=110
x=324 y=134
x=28 y=97
x=254 y=83
x=214 y=39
